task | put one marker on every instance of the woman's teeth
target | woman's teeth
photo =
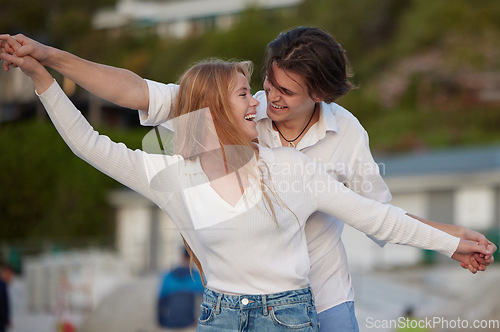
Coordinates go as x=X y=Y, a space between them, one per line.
x=250 y=117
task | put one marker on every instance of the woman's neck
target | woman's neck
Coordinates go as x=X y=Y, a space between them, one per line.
x=227 y=159
x=229 y=178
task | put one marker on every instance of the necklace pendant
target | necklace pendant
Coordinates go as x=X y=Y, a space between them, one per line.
x=290 y=144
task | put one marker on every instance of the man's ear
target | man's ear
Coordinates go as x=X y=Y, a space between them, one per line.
x=316 y=98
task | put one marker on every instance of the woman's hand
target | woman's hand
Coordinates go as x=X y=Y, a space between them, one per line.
x=20 y=45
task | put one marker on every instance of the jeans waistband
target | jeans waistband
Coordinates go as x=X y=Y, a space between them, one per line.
x=249 y=301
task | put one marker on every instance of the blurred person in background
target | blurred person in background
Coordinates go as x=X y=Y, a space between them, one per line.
x=6 y=277
x=178 y=297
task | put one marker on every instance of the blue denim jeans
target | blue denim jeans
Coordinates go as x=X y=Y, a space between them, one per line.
x=340 y=318
x=287 y=311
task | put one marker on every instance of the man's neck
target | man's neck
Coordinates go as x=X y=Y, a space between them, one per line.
x=295 y=129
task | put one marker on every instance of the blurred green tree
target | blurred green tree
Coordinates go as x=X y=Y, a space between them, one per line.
x=56 y=22
x=47 y=191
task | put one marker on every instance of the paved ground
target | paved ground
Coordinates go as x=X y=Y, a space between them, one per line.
x=129 y=308
x=446 y=293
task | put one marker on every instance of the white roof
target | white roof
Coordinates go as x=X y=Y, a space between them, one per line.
x=189 y=9
x=178 y=10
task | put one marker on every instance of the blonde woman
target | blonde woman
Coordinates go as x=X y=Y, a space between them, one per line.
x=241 y=208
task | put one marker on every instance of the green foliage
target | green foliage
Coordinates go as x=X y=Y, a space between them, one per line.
x=467 y=32
x=23 y=16
x=56 y=22
x=459 y=36
x=245 y=41
x=362 y=26
x=46 y=190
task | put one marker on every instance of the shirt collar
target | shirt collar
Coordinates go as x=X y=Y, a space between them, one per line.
x=327 y=120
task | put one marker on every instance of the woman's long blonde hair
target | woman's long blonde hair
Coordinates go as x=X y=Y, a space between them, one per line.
x=208 y=84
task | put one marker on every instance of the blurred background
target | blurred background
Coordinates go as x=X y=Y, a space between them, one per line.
x=88 y=254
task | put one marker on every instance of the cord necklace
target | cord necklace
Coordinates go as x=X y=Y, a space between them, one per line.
x=290 y=142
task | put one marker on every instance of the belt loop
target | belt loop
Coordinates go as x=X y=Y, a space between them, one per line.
x=311 y=293
x=264 y=304
x=219 y=299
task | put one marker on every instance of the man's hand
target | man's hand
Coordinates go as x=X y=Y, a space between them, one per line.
x=468 y=234
x=480 y=261
x=476 y=262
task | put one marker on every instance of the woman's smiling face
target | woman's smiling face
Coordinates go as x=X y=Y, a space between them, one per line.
x=243 y=106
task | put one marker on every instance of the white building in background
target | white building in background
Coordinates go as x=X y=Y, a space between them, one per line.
x=180 y=18
x=457 y=186
x=17 y=88
x=146 y=238
x=72 y=282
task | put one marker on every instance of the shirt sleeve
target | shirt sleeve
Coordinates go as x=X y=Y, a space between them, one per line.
x=382 y=221
x=133 y=168
x=365 y=178
x=162 y=98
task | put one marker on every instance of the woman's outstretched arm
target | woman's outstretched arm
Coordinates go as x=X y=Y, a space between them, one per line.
x=131 y=168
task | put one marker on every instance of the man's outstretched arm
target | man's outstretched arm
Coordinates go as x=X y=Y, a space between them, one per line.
x=477 y=262
x=119 y=86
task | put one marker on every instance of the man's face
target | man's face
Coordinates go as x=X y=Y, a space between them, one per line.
x=289 y=100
